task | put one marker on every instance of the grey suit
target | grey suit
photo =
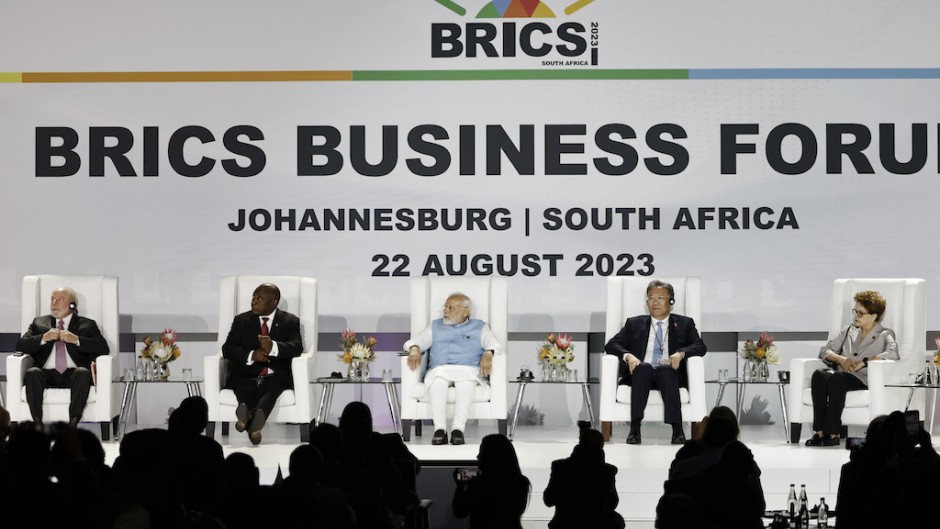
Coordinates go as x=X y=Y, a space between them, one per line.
x=880 y=342
x=829 y=387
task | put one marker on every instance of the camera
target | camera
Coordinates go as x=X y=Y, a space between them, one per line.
x=854 y=443
x=465 y=474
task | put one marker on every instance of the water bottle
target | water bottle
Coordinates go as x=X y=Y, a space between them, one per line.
x=803 y=507
x=791 y=503
x=822 y=517
x=148 y=370
x=139 y=372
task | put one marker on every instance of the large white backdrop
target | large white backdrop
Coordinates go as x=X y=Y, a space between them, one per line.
x=168 y=236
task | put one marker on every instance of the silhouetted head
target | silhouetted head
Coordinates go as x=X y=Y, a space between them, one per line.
x=329 y=439
x=590 y=445
x=191 y=416
x=498 y=456
x=240 y=472
x=721 y=427
x=356 y=424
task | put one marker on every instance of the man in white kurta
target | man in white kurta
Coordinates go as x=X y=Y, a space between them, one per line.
x=461 y=353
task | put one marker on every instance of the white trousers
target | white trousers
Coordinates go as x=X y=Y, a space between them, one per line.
x=438 y=396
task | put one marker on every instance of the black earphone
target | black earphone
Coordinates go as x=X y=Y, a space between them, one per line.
x=74 y=306
x=672 y=301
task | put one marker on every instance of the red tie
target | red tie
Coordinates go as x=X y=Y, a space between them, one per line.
x=60 y=352
x=264 y=332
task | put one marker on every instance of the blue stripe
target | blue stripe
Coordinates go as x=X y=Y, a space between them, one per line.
x=815 y=73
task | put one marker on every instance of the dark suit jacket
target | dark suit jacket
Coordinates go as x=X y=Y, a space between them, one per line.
x=635 y=334
x=91 y=343
x=243 y=339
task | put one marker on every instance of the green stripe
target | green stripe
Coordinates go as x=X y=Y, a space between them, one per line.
x=513 y=75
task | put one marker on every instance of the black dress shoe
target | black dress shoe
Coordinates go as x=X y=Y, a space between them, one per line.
x=456 y=437
x=241 y=413
x=829 y=440
x=633 y=438
x=439 y=438
x=815 y=440
x=678 y=438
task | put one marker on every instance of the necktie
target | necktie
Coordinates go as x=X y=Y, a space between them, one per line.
x=60 y=351
x=658 y=345
x=264 y=332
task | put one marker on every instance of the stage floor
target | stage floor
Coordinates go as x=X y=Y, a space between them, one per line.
x=643 y=468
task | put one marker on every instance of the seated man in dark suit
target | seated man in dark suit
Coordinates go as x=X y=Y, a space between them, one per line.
x=652 y=351
x=63 y=346
x=259 y=349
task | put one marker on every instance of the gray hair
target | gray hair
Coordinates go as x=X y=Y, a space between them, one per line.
x=464 y=300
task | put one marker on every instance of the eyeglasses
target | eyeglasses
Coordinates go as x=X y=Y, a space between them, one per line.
x=661 y=299
x=856 y=312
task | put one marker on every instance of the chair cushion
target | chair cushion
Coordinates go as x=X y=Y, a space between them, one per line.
x=480 y=394
x=59 y=395
x=853 y=399
x=227 y=398
x=655 y=399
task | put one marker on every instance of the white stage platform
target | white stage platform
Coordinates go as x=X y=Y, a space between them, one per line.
x=643 y=468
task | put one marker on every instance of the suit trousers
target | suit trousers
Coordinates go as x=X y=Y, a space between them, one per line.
x=78 y=379
x=828 y=390
x=666 y=380
x=261 y=393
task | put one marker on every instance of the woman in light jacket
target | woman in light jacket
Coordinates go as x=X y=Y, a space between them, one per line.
x=847 y=357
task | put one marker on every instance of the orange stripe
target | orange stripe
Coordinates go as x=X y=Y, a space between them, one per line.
x=185 y=77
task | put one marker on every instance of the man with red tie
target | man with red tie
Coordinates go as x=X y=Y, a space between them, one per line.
x=63 y=346
x=259 y=349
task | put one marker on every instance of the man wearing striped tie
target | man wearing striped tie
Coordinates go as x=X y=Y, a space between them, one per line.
x=259 y=349
x=63 y=346
x=652 y=350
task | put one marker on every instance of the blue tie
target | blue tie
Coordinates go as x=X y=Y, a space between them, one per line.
x=658 y=345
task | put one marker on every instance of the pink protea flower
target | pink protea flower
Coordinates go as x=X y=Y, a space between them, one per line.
x=563 y=341
x=168 y=337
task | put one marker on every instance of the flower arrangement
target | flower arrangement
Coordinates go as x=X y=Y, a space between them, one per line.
x=162 y=351
x=936 y=354
x=356 y=349
x=557 y=350
x=763 y=349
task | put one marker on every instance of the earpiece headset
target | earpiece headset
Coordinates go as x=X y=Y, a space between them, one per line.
x=74 y=306
x=672 y=301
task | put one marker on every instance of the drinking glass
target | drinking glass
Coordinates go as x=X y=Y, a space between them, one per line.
x=187 y=375
x=128 y=375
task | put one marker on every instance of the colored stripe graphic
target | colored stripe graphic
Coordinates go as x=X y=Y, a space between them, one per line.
x=561 y=74
x=576 y=6
x=453 y=6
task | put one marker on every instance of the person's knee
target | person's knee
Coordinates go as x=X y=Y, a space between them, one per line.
x=82 y=373
x=33 y=372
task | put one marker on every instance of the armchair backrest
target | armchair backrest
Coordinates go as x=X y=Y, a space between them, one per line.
x=905 y=310
x=298 y=296
x=97 y=300
x=626 y=297
x=488 y=295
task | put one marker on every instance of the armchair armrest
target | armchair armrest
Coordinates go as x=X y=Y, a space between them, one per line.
x=216 y=368
x=16 y=371
x=610 y=373
x=801 y=371
x=303 y=370
x=695 y=367
x=499 y=378
x=104 y=385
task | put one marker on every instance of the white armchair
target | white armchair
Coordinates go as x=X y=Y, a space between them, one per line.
x=98 y=300
x=626 y=298
x=296 y=406
x=906 y=315
x=489 y=296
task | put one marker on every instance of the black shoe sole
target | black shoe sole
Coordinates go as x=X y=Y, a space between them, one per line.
x=241 y=413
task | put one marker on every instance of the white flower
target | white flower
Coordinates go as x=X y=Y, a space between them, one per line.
x=360 y=352
x=160 y=352
x=773 y=355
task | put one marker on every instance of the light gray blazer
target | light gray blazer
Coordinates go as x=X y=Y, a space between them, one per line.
x=880 y=342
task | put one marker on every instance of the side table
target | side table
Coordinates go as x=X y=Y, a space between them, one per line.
x=130 y=396
x=585 y=396
x=742 y=390
x=330 y=383
x=913 y=386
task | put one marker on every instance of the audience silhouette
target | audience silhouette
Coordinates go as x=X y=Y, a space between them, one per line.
x=499 y=494
x=714 y=480
x=582 y=487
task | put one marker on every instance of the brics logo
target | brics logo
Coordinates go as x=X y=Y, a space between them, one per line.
x=570 y=43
